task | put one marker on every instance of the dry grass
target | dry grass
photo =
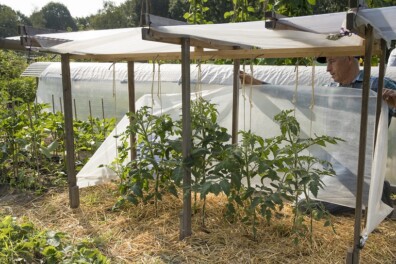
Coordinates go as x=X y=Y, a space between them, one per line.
x=135 y=235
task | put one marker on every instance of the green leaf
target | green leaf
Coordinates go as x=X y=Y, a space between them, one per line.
x=215 y=189
x=178 y=174
x=255 y=202
x=314 y=188
x=205 y=188
x=250 y=9
x=132 y=199
x=276 y=198
x=45 y=151
x=172 y=189
x=225 y=186
x=49 y=251
x=53 y=146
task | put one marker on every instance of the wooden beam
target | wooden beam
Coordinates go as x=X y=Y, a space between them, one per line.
x=11 y=44
x=74 y=197
x=234 y=54
x=153 y=34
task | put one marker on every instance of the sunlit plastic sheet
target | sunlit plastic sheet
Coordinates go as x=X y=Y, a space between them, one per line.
x=93 y=83
x=97 y=83
x=378 y=210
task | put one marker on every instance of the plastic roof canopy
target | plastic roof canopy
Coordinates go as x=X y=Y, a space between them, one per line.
x=246 y=39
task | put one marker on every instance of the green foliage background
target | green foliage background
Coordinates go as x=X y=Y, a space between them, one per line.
x=55 y=15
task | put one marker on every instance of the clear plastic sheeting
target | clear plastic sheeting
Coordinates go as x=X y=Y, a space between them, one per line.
x=336 y=113
x=94 y=92
x=392 y=59
x=92 y=83
x=101 y=167
x=376 y=209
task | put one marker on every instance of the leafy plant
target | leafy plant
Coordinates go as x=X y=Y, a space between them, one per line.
x=245 y=10
x=196 y=14
x=250 y=170
x=21 y=242
x=257 y=175
x=32 y=143
x=209 y=141
x=150 y=175
x=302 y=171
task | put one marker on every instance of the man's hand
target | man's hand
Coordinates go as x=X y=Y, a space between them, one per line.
x=390 y=97
x=248 y=79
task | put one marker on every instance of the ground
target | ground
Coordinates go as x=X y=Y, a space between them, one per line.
x=135 y=234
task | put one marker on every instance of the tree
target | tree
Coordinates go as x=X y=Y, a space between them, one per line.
x=112 y=16
x=11 y=67
x=245 y=10
x=83 y=23
x=23 y=20
x=8 y=22
x=37 y=19
x=54 y=16
x=155 y=7
x=177 y=9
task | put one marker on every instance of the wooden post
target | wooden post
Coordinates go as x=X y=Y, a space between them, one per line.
x=74 y=198
x=353 y=254
x=132 y=107
x=235 y=102
x=186 y=135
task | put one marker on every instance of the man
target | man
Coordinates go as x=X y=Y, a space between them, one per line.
x=346 y=72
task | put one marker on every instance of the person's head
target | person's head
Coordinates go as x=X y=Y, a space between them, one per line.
x=343 y=69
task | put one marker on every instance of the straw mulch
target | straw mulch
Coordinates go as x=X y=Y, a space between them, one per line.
x=135 y=235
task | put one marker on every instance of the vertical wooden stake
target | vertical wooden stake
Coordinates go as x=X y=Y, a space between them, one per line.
x=235 y=102
x=354 y=255
x=186 y=135
x=74 y=197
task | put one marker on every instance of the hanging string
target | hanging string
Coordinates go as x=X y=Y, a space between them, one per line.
x=114 y=90
x=115 y=109
x=294 y=100
x=244 y=95
x=311 y=107
x=159 y=92
x=152 y=87
x=251 y=95
x=198 y=85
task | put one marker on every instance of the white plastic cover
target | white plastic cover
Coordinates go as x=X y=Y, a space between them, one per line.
x=93 y=82
x=377 y=210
